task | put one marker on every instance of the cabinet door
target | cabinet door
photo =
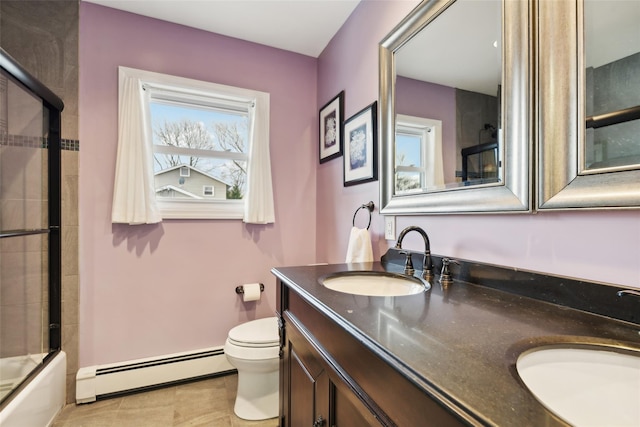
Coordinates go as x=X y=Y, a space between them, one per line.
x=309 y=391
x=301 y=393
x=319 y=402
x=348 y=411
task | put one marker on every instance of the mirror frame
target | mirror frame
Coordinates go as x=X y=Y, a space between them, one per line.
x=561 y=123
x=514 y=193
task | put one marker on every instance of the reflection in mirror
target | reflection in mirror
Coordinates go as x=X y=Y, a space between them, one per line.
x=584 y=161
x=455 y=109
x=453 y=77
x=612 y=84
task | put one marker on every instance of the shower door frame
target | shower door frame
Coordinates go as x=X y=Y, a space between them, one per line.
x=54 y=105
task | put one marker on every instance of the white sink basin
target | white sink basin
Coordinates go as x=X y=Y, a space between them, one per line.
x=372 y=283
x=585 y=386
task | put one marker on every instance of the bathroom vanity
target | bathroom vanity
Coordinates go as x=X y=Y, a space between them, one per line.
x=441 y=357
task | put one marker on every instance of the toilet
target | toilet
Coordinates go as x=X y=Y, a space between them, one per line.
x=253 y=348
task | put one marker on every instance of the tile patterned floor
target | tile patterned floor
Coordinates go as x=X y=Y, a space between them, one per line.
x=202 y=403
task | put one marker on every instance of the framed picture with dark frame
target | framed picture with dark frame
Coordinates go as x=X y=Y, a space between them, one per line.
x=360 y=150
x=331 y=128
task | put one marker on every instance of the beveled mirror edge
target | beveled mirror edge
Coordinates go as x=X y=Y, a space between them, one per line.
x=515 y=195
x=560 y=73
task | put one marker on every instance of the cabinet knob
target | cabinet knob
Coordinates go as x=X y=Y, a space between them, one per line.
x=319 y=422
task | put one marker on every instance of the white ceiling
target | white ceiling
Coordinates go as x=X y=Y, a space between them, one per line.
x=612 y=30
x=301 y=26
x=460 y=48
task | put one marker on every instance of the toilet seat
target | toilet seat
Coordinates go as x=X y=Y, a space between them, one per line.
x=256 y=354
x=256 y=334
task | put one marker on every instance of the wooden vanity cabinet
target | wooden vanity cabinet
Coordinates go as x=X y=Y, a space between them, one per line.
x=329 y=378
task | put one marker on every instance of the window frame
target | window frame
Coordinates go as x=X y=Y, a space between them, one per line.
x=420 y=127
x=420 y=170
x=153 y=83
x=204 y=190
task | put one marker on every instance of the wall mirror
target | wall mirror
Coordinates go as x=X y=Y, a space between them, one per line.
x=455 y=109
x=589 y=104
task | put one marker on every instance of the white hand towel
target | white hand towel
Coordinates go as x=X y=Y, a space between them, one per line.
x=359 y=249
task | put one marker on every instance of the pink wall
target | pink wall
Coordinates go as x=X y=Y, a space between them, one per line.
x=350 y=63
x=160 y=289
x=597 y=245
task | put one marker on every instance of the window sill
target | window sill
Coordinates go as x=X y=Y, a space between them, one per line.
x=195 y=209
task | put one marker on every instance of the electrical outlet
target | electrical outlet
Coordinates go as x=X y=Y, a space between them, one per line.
x=390 y=227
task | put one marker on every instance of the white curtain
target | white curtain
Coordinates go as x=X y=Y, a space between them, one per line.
x=258 y=202
x=435 y=164
x=134 y=199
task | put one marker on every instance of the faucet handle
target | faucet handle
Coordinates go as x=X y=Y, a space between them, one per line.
x=445 y=274
x=408 y=264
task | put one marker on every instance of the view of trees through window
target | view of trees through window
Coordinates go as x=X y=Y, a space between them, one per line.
x=212 y=142
x=408 y=162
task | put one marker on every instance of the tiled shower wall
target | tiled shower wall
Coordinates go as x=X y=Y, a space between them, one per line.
x=610 y=87
x=43 y=37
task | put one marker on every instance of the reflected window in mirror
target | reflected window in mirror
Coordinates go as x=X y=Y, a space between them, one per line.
x=612 y=85
x=418 y=154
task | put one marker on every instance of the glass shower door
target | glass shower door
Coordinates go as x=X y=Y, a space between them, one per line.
x=24 y=233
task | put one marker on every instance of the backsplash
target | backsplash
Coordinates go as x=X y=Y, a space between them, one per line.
x=594 y=297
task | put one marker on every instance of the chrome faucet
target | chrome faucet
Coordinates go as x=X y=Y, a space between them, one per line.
x=427 y=267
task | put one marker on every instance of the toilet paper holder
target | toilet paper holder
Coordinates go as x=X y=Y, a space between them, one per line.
x=240 y=289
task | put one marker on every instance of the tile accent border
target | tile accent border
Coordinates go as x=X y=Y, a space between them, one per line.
x=36 y=142
x=70 y=144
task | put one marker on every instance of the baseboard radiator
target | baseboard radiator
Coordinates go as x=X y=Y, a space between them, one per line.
x=95 y=382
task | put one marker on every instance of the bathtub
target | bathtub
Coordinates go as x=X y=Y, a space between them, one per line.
x=40 y=401
x=15 y=369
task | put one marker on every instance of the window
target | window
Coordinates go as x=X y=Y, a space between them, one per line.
x=205 y=135
x=198 y=137
x=410 y=170
x=418 y=154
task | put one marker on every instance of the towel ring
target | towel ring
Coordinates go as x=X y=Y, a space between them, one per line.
x=368 y=206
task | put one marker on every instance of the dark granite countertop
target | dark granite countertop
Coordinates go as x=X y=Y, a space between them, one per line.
x=462 y=341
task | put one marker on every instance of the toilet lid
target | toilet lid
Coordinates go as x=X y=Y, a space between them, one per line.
x=258 y=333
